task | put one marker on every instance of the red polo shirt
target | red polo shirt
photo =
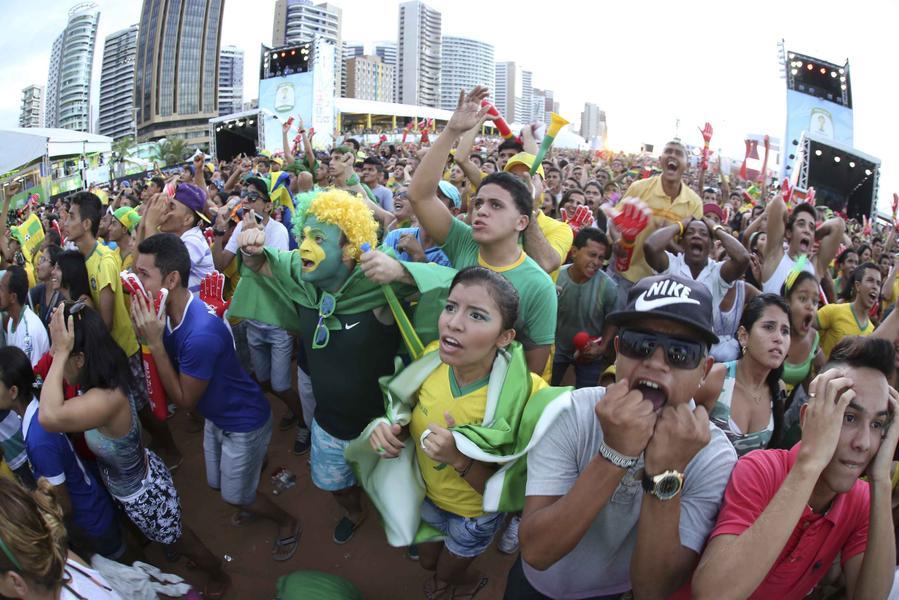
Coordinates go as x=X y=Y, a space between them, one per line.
x=816 y=540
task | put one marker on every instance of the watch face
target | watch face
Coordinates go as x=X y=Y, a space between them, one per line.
x=668 y=487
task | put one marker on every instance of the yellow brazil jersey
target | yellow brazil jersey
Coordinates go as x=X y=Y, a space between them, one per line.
x=670 y=210
x=836 y=321
x=103 y=269
x=126 y=264
x=439 y=394
x=559 y=235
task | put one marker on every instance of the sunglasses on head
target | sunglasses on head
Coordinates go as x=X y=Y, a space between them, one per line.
x=679 y=354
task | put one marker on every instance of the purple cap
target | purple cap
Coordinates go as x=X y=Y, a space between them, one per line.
x=193 y=198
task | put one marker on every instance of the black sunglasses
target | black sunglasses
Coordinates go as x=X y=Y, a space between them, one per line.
x=680 y=354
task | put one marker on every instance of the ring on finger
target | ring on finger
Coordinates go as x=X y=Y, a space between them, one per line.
x=424 y=436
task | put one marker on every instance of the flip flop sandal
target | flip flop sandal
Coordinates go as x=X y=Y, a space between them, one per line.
x=482 y=583
x=437 y=590
x=291 y=543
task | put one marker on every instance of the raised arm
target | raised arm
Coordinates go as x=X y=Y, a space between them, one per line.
x=463 y=154
x=655 y=244
x=830 y=235
x=774 y=247
x=734 y=268
x=433 y=214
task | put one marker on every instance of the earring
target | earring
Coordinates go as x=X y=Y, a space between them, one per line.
x=744 y=350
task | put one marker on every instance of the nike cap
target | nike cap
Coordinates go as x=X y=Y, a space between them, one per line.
x=671 y=298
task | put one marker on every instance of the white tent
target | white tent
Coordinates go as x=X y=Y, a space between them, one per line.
x=21 y=146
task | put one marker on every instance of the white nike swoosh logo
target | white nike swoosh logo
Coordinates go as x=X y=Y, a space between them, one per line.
x=348 y=326
x=642 y=304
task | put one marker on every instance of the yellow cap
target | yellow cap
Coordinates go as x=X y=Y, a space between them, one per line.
x=523 y=158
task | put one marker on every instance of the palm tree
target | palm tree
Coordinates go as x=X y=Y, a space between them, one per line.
x=121 y=149
x=169 y=152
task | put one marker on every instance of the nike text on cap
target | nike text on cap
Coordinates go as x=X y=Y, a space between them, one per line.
x=672 y=298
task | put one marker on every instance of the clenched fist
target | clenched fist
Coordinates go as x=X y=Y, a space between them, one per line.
x=252 y=237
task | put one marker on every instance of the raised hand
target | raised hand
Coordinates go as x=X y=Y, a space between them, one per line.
x=707 y=132
x=211 y=292
x=787 y=191
x=468 y=111
x=680 y=433
x=630 y=217
x=627 y=419
x=582 y=217
x=251 y=239
x=62 y=333
x=810 y=196
x=882 y=463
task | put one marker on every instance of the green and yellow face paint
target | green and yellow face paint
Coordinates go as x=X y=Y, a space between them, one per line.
x=322 y=254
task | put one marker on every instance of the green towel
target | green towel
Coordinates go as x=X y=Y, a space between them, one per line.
x=515 y=419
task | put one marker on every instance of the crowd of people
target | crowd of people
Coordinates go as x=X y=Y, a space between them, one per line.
x=639 y=375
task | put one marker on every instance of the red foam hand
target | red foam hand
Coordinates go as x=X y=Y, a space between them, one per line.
x=727 y=214
x=581 y=218
x=787 y=191
x=211 y=292
x=209 y=235
x=707 y=132
x=631 y=219
x=867 y=225
x=895 y=204
x=810 y=196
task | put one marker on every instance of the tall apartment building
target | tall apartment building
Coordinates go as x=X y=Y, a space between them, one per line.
x=369 y=79
x=590 y=127
x=464 y=64
x=176 y=72
x=230 y=80
x=386 y=51
x=513 y=93
x=347 y=51
x=418 y=55
x=116 y=118
x=299 y=21
x=71 y=63
x=32 y=111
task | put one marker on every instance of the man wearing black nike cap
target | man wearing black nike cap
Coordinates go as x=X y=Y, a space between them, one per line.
x=624 y=488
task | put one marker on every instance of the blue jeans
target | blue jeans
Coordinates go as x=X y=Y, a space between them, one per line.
x=586 y=374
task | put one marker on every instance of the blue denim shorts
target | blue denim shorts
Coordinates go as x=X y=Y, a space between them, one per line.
x=466 y=537
x=271 y=351
x=234 y=461
x=330 y=471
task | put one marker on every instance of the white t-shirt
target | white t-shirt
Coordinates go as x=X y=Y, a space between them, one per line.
x=276 y=236
x=201 y=263
x=29 y=335
x=710 y=276
x=85 y=582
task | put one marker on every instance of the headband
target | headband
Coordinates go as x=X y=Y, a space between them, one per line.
x=9 y=555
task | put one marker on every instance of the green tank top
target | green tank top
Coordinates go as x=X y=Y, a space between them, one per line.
x=796 y=374
x=742 y=442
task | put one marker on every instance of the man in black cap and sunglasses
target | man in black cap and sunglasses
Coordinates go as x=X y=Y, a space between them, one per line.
x=624 y=489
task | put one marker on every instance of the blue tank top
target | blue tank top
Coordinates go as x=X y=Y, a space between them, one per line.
x=122 y=461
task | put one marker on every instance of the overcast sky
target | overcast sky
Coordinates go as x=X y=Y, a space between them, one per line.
x=646 y=64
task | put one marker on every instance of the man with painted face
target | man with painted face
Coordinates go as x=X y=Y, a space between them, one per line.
x=342 y=320
x=623 y=490
x=799 y=231
x=795 y=511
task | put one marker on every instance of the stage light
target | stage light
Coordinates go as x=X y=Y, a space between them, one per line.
x=868 y=172
x=240 y=123
x=283 y=54
x=218 y=128
x=795 y=142
x=836 y=159
x=843 y=79
x=250 y=122
x=823 y=71
x=810 y=67
x=842 y=71
x=833 y=73
x=274 y=55
x=792 y=156
x=793 y=71
x=230 y=125
x=799 y=63
x=792 y=56
x=851 y=165
x=817 y=153
x=843 y=86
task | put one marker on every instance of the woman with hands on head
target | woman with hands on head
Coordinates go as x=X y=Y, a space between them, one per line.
x=475 y=324
x=85 y=353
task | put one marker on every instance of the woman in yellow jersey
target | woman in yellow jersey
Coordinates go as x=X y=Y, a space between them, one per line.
x=475 y=324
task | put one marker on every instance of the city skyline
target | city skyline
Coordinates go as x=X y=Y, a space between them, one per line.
x=725 y=72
